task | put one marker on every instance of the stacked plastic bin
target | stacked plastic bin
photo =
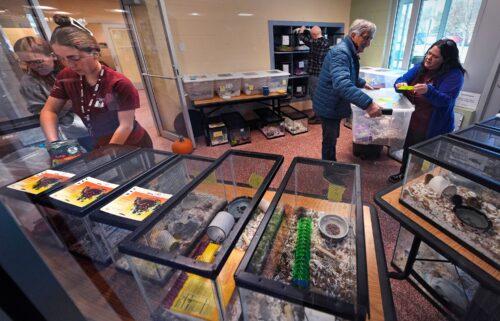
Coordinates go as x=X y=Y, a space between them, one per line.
x=380 y=77
x=253 y=81
x=227 y=85
x=199 y=87
x=278 y=80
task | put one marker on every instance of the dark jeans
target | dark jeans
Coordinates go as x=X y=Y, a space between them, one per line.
x=331 y=131
x=412 y=138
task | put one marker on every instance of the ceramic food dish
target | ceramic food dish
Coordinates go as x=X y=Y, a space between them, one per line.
x=469 y=215
x=333 y=227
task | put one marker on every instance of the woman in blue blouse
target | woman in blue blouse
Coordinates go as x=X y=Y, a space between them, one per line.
x=436 y=82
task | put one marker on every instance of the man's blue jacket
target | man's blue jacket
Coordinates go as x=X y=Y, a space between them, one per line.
x=339 y=83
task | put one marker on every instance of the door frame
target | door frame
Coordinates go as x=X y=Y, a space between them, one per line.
x=126 y=5
x=493 y=80
x=111 y=46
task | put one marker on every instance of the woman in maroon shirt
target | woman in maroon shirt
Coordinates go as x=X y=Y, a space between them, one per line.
x=104 y=99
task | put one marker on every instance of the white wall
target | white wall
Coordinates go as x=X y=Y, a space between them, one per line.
x=480 y=61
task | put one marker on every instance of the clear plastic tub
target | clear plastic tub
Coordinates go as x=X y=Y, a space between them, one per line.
x=389 y=130
x=228 y=85
x=380 y=77
x=253 y=82
x=199 y=87
x=278 y=80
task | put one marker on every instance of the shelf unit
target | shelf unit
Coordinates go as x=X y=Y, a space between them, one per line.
x=282 y=38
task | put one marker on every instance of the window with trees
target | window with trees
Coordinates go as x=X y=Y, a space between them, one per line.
x=419 y=23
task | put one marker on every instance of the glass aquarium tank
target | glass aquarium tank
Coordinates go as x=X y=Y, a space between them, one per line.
x=450 y=286
x=126 y=212
x=389 y=129
x=481 y=136
x=238 y=129
x=216 y=131
x=46 y=181
x=68 y=207
x=456 y=187
x=185 y=257
x=492 y=122
x=308 y=255
x=295 y=120
x=270 y=123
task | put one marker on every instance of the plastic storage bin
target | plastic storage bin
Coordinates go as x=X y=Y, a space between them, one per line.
x=270 y=123
x=456 y=187
x=228 y=85
x=295 y=121
x=308 y=254
x=389 y=130
x=278 y=80
x=253 y=82
x=481 y=136
x=190 y=247
x=238 y=129
x=127 y=211
x=216 y=131
x=199 y=87
x=68 y=207
x=380 y=77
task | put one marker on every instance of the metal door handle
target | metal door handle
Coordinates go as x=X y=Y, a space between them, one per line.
x=158 y=76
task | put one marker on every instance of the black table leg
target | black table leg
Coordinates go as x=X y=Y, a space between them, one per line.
x=409 y=262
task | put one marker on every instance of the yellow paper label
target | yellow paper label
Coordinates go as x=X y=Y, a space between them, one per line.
x=136 y=204
x=250 y=87
x=335 y=192
x=196 y=298
x=222 y=88
x=425 y=166
x=41 y=182
x=211 y=178
x=283 y=82
x=84 y=192
x=255 y=180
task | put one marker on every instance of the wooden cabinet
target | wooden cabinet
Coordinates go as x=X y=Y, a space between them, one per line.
x=289 y=54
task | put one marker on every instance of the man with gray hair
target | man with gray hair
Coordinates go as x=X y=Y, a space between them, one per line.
x=339 y=85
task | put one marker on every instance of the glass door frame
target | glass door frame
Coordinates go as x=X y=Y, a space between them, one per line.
x=126 y=5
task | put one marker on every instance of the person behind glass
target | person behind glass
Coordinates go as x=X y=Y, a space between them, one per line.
x=437 y=81
x=105 y=99
x=339 y=85
x=318 y=48
x=42 y=68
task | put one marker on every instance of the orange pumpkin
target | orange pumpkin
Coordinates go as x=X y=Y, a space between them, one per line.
x=182 y=146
